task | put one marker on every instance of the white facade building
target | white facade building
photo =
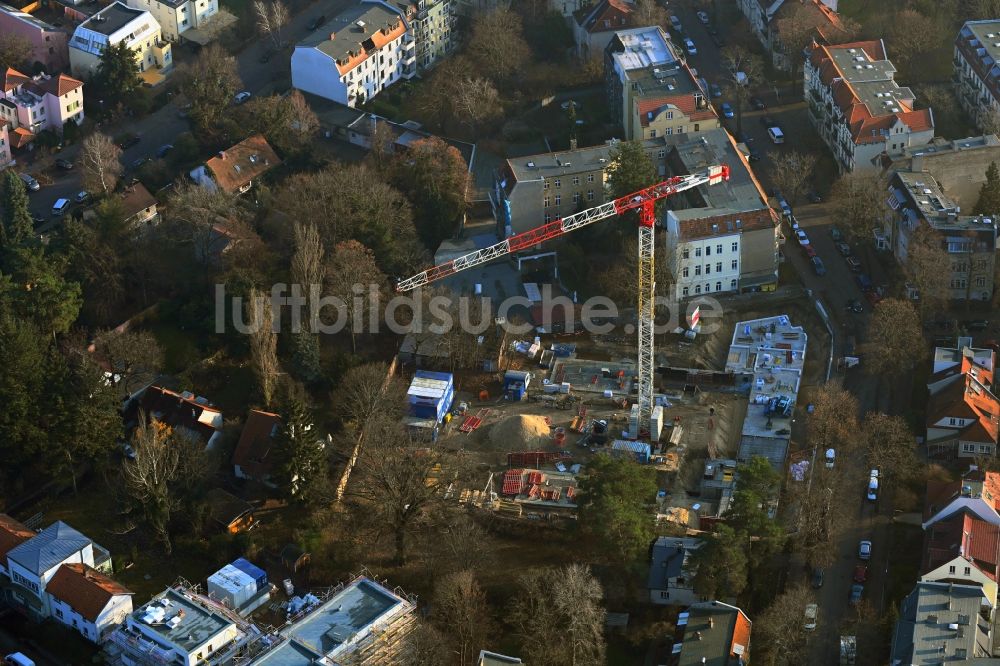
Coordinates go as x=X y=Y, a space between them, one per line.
x=178 y=16
x=41 y=102
x=368 y=48
x=87 y=601
x=114 y=24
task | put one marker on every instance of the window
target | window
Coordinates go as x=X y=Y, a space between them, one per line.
x=558 y=183
x=960 y=283
x=664 y=594
x=548 y=217
x=980 y=281
x=708 y=269
x=708 y=250
x=576 y=197
x=576 y=180
x=546 y=185
x=697 y=252
x=951 y=569
x=968 y=571
x=718 y=286
x=736 y=246
x=697 y=289
x=558 y=199
x=684 y=291
x=951 y=421
x=984 y=448
x=670 y=115
x=546 y=202
x=708 y=287
x=718 y=248
x=968 y=448
x=697 y=270
x=590 y=177
x=732 y=284
x=669 y=131
x=661 y=153
x=684 y=272
x=652 y=134
x=59 y=613
x=686 y=253
x=590 y=195
x=718 y=267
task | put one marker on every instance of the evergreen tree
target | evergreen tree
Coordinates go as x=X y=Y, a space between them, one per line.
x=630 y=169
x=117 y=74
x=989 y=193
x=720 y=564
x=303 y=469
x=305 y=356
x=17 y=225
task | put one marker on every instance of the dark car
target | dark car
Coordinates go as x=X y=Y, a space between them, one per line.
x=38 y=218
x=754 y=156
x=817 y=578
x=128 y=141
x=843 y=248
x=864 y=282
x=855 y=306
x=717 y=40
x=861 y=573
x=856 y=591
x=854 y=264
x=818 y=266
x=137 y=164
x=316 y=22
x=64 y=164
x=757 y=104
x=163 y=150
x=814 y=196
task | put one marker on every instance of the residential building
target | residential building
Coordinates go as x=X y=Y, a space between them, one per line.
x=859 y=110
x=235 y=169
x=433 y=26
x=39 y=103
x=228 y=511
x=650 y=89
x=977 y=68
x=5 y=157
x=773 y=351
x=85 y=599
x=723 y=237
x=185 y=412
x=178 y=16
x=368 y=47
x=766 y=19
x=363 y=623
x=711 y=632
x=595 y=26
x=33 y=563
x=114 y=24
x=928 y=189
x=472 y=8
x=963 y=418
x=12 y=534
x=670 y=582
x=48 y=43
x=951 y=363
x=487 y=658
x=963 y=549
x=177 y=626
x=943 y=623
x=138 y=206
x=255 y=455
x=976 y=493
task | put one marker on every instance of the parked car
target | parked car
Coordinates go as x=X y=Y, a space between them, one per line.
x=757 y=104
x=81 y=196
x=865 y=550
x=776 y=135
x=853 y=263
x=818 y=266
x=835 y=234
x=875 y=294
x=162 y=151
x=872 y=486
x=64 y=164
x=817 y=578
x=128 y=141
x=727 y=110
x=753 y=156
x=831 y=458
x=675 y=23
x=703 y=17
x=802 y=238
x=316 y=22
x=812 y=610
x=690 y=47
x=856 y=591
x=138 y=164
x=861 y=573
x=864 y=282
x=715 y=90
x=241 y=97
x=855 y=306
x=17 y=659
x=38 y=218
x=843 y=248
x=29 y=182
x=60 y=207
x=809 y=250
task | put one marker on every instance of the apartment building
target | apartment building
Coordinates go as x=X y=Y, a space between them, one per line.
x=720 y=238
x=48 y=43
x=433 y=25
x=766 y=16
x=857 y=107
x=977 y=68
x=42 y=102
x=942 y=623
x=363 y=50
x=650 y=89
x=178 y=16
x=88 y=601
x=114 y=24
x=596 y=25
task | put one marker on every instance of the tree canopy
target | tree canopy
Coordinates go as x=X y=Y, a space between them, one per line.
x=118 y=75
x=614 y=505
x=989 y=193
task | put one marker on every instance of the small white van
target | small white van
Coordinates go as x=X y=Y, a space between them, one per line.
x=777 y=136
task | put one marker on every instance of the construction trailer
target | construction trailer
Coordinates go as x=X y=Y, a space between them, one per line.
x=515 y=384
x=430 y=394
x=638 y=451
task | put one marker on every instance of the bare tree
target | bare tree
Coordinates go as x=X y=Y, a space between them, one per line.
x=890 y=447
x=474 y=100
x=303 y=122
x=271 y=18
x=149 y=475
x=15 y=51
x=780 y=629
x=352 y=276
x=894 y=332
x=461 y=612
x=834 y=419
x=564 y=602
x=912 y=35
x=497 y=44
x=99 y=163
x=742 y=69
x=263 y=344
x=989 y=121
x=648 y=12
x=209 y=83
x=307 y=262
x=458 y=544
x=366 y=391
x=383 y=142
x=929 y=266
x=858 y=200
x=791 y=173
x=134 y=358
x=423 y=646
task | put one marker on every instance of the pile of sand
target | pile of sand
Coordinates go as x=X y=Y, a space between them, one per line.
x=519 y=432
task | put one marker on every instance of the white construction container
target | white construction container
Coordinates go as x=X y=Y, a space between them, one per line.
x=232 y=586
x=633 y=422
x=656 y=423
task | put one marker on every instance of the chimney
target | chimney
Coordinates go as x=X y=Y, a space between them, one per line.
x=222 y=154
x=711 y=622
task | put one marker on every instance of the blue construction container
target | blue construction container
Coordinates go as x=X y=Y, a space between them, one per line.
x=430 y=394
x=515 y=384
x=252 y=570
x=640 y=451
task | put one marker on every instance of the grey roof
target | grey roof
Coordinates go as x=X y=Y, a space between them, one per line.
x=288 y=653
x=940 y=622
x=198 y=624
x=347 y=35
x=25 y=17
x=698 y=150
x=871 y=80
x=667 y=560
x=707 y=635
x=487 y=658
x=922 y=192
x=49 y=548
x=112 y=18
x=560 y=164
x=987 y=33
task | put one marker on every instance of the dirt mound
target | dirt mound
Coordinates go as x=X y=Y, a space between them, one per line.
x=520 y=432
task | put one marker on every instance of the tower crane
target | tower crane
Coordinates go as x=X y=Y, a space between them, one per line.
x=643 y=201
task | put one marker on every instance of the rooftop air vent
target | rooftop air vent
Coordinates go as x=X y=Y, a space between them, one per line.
x=531 y=165
x=360 y=24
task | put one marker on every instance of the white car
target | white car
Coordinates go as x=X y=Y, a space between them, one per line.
x=801 y=237
x=872 y=485
x=241 y=97
x=865 y=550
x=812 y=610
x=703 y=17
x=690 y=47
x=831 y=457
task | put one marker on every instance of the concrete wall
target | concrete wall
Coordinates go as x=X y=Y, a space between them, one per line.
x=757 y=254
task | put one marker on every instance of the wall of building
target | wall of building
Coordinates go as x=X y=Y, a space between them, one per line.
x=962 y=570
x=758 y=256
x=49 y=47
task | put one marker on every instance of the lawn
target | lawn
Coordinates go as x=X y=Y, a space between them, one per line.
x=179 y=350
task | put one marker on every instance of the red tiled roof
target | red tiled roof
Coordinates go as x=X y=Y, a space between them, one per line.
x=254 y=450
x=686 y=104
x=57 y=85
x=240 y=164
x=981 y=542
x=616 y=12
x=753 y=220
x=12 y=534
x=13 y=78
x=968 y=399
x=741 y=635
x=962 y=535
x=20 y=137
x=86 y=589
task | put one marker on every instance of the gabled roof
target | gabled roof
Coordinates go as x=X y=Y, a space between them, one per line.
x=226 y=508
x=57 y=85
x=13 y=78
x=48 y=548
x=84 y=588
x=725 y=223
x=667 y=560
x=12 y=534
x=963 y=535
x=179 y=411
x=968 y=399
x=977 y=491
x=20 y=137
x=237 y=166
x=684 y=103
x=135 y=199
x=254 y=452
x=616 y=12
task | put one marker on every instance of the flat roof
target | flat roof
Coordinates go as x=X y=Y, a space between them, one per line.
x=700 y=150
x=113 y=18
x=197 y=623
x=871 y=80
x=290 y=653
x=941 y=211
x=643 y=47
x=25 y=17
x=774 y=351
x=347 y=617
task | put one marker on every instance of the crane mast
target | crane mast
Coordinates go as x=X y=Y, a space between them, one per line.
x=644 y=202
